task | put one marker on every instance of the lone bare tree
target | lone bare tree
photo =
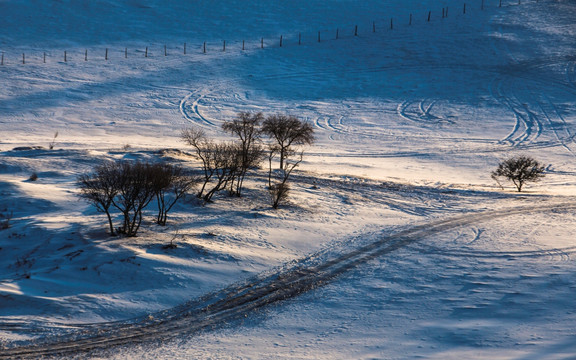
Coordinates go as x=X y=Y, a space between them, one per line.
x=520 y=170
x=246 y=127
x=287 y=131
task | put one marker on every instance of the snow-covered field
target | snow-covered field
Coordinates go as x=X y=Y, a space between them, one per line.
x=410 y=121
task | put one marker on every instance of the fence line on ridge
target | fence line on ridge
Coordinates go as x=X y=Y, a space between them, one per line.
x=278 y=41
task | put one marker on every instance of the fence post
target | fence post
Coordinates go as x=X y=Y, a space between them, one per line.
x=464 y=9
x=356 y=30
x=224 y=45
x=500 y=5
x=318 y=36
x=410 y=22
x=482 y=6
x=442 y=13
x=146 y=52
x=373 y=26
x=44 y=58
x=184 y=48
x=299 y=38
x=2 y=61
x=125 y=53
x=65 y=60
x=280 y=40
x=86 y=55
x=391 y=24
x=165 y=51
x=23 y=59
x=261 y=43
x=242 y=44
x=336 y=33
x=204 y=47
x=106 y=56
x=429 y=13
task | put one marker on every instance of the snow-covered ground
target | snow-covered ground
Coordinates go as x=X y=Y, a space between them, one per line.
x=409 y=122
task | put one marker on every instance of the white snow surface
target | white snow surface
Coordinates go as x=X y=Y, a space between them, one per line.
x=410 y=120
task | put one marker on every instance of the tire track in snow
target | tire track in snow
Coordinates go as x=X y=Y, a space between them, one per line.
x=190 y=105
x=236 y=301
x=326 y=123
x=338 y=127
x=419 y=111
x=525 y=133
x=547 y=117
x=559 y=126
x=523 y=130
x=532 y=123
x=562 y=254
x=528 y=127
x=185 y=110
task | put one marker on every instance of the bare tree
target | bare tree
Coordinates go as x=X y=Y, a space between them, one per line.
x=220 y=162
x=287 y=131
x=225 y=162
x=130 y=187
x=272 y=151
x=520 y=170
x=136 y=188
x=279 y=190
x=196 y=138
x=53 y=142
x=100 y=188
x=246 y=127
x=171 y=184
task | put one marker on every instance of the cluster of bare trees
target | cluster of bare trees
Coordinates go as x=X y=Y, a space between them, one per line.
x=129 y=187
x=226 y=164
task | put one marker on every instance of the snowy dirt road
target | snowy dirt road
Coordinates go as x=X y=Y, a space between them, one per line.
x=237 y=301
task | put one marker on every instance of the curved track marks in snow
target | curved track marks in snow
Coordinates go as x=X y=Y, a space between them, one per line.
x=186 y=109
x=518 y=87
x=557 y=123
x=521 y=89
x=419 y=111
x=238 y=300
x=329 y=116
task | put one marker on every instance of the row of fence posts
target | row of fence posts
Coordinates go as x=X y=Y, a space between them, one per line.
x=204 y=48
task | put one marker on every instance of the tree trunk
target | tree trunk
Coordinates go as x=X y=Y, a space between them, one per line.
x=112 y=232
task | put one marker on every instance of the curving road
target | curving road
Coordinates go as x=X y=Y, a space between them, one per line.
x=238 y=300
